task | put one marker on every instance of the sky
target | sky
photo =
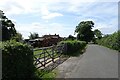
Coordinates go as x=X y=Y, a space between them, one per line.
x=60 y=16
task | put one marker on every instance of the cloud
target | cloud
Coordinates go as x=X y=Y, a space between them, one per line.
x=49 y=15
x=32 y=6
x=106 y=25
x=38 y=7
x=13 y=7
x=103 y=13
x=43 y=29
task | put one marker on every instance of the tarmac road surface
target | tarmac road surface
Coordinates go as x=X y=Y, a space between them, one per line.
x=96 y=62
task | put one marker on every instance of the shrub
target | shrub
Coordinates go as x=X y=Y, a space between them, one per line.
x=17 y=60
x=73 y=47
x=112 y=41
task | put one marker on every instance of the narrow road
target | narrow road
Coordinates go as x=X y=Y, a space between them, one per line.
x=96 y=62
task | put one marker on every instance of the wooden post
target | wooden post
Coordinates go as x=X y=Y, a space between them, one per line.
x=59 y=52
x=52 y=54
x=44 y=57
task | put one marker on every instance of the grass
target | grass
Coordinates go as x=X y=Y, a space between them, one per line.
x=46 y=75
x=38 y=51
x=50 y=75
x=42 y=55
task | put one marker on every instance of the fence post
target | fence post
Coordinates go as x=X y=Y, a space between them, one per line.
x=44 y=57
x=53 y=53
x=59 y=54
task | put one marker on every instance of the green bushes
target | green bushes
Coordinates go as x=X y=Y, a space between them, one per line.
x=17 y=60
x=111 y=41
x=73 y=47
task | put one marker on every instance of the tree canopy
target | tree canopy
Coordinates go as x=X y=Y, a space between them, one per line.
x=84 y=31
x=97 y=33
x=18 y=37
x=33 y=35
x=8 y=28
x=70 y=37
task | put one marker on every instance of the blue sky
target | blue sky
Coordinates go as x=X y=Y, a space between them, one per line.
x=60 y=16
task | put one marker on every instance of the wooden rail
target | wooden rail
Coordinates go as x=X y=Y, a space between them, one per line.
x=47 y=55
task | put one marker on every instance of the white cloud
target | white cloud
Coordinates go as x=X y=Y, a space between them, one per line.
x=108 y=28
x=49 y=9
x=47 y=14
x=35 y=5
x=51 y=15
x=12 y=7
x=102 y=26
x=39 y=7
x=43 y=29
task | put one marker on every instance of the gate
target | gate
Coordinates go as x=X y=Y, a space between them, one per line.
x=47 y=55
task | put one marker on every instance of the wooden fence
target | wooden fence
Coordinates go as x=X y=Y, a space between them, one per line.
x=47 y=55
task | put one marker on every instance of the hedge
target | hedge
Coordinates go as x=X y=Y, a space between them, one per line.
x=17 y=60
x=73 y=47
x=111 y=41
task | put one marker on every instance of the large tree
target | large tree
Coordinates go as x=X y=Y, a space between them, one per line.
x=8 y=29
x=84 y=31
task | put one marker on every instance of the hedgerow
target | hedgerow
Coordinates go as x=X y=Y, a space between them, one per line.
x=111 y=41
x=17 y=60
x=73 y=47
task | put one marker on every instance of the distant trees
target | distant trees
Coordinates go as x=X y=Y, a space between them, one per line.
x=33 y=35
x=8 y=28
x=70 y=37
x=84 y=31
x=97 y=34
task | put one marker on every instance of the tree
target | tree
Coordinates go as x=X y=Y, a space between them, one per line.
x=106 y=35
x=33 y=36
x=18 y=37
x=70 y=37
x=8 y=28
x=97 y=34
x=84 y=30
